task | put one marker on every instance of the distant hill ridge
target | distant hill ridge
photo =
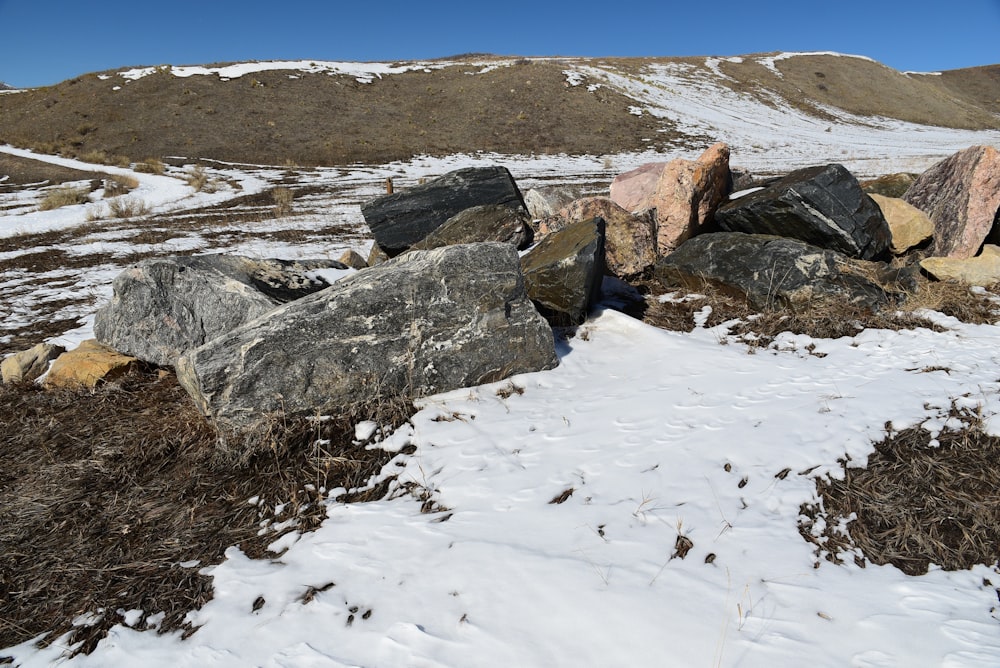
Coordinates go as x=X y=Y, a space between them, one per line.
x=332 y=113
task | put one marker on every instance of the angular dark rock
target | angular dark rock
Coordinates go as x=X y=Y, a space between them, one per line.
x=399 y=220
x=488 y=222
x=770 y=271
x=425 y=322
x=823 y=206
x=164 y=306
x=563 y=273
x=961 y=195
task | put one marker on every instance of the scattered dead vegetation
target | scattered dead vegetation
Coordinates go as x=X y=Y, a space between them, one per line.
x=921 y=500
x=828 y=317
x=112 y=500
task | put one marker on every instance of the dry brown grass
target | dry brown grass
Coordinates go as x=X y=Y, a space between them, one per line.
x=106 y=495
x=64 y=196
x=827 y=318
x=282 y=201
x=127 y=207
x=150 y=166
x=919 y=501
x=119 y=185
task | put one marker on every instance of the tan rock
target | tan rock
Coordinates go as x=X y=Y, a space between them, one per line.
x=961 y=194
x=630 y=239
x=353 y=260
x=87 y=365
x=908 y=225
x=376 y=256
x=981 y=270
x=27 y=365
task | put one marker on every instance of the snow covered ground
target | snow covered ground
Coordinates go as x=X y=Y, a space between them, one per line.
x=658 y=435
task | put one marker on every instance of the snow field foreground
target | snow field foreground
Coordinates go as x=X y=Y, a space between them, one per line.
x=642 y=425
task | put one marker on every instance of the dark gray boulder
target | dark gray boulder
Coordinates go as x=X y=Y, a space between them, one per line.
x=823 y=206
x=162 y=307
x=564 y=272
x=487 y=222
x=399 y=220
x=772 y=272
x=425 y=322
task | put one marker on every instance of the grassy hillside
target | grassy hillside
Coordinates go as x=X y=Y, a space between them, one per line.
x=466 y=105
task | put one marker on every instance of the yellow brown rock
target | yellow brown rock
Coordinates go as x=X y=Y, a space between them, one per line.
x=908 y=225
x=27 y=365
x=87 y=365
x=983 y=269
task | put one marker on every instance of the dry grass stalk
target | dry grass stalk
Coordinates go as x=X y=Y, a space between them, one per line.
x=105 y=494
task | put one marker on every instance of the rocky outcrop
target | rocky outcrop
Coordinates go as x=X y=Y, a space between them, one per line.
x=563 y=273
x=547 y=200
x=769 y=271
x=630 y=238
x=983 y=269
x=163 y=307
x=909 y=227
x=27 y=365
x=400 y=220
x=961 y=194
x=684 y=193
x=88 y=365
x=485 y=223
x=425 y=322
x=822 y=206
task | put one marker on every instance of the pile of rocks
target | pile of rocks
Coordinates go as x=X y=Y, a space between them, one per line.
x=446 y=300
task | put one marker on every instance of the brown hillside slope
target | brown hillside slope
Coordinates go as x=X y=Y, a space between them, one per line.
x=524 y=106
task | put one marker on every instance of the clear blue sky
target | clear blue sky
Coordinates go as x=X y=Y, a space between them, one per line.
x=44 y=42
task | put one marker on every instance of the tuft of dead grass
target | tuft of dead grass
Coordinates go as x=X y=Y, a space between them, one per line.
x=112 y=500
x=150 y=166
x=64 y=196
x=119 y=185
x=282 y=201
x=922 y=499
x=127 y=207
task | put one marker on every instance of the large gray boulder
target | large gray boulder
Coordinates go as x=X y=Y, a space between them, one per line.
x=772 y=272
x=564 y=272
x=162 y=307
x=822 y=206
x=425 y=322
x=400 y=220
